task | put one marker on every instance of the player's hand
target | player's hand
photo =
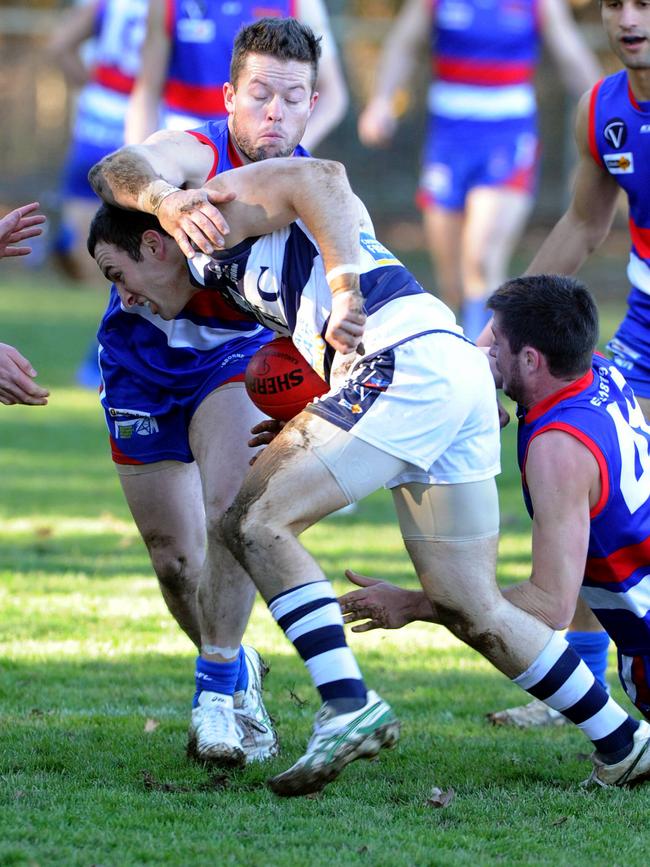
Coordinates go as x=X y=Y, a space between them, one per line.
x=18 y=225
x=264 y=432
x=17 y=379
x=191 y=218
x=380 y=604
x=377 y=123
x=347 y=321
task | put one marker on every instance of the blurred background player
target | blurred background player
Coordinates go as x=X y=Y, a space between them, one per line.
x=480 y=158
x=117 y=28
x=186 y=58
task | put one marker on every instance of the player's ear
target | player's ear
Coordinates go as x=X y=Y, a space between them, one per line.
x=533 y=358
x=229 y=97
x=313 y=100
x=154 y=242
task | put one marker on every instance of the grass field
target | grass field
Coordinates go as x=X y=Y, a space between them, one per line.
x=96 y=683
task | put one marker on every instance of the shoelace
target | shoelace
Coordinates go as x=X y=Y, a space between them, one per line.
x=220 y=724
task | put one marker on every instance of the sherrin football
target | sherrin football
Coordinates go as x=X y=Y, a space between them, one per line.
x=280 y=382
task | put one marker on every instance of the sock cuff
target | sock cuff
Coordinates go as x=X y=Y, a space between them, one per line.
x=289 y=600
x=540 y=667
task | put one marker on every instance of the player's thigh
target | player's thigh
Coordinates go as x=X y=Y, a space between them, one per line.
x=312 y=469
x=495 y=217
x=167 y=506
x=218 y=434
x=451 y=533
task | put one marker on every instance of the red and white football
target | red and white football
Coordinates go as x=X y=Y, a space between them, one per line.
x=280 y=382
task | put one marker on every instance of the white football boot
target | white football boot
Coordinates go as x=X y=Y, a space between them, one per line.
x=214 y=736
x=630 y=771
x=259 y=738
x=338 y=740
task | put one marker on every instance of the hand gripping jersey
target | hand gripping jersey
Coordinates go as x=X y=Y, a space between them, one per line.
x=101 y=107
x=601 y=411
x=280 y=279
x=484 y=54
x=202 y=33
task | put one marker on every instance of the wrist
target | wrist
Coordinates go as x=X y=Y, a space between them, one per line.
x=154 y=194
x=343 y=278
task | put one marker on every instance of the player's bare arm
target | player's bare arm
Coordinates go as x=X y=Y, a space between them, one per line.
x=142 y=116
x=560 y=526
x=576 y=62
x=587 y=221
x=273 y=193
x=406 y=41
x=149 y=178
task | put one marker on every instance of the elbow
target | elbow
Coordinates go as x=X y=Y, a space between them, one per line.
x=558 y=614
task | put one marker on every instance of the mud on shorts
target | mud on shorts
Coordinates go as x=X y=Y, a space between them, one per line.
x=502 y=154
x=420 y=418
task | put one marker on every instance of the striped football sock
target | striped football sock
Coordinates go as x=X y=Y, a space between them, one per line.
x=311 y=619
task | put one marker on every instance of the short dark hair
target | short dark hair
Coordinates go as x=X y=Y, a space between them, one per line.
x=122 y=228
x=556 y=315
x=282 y=38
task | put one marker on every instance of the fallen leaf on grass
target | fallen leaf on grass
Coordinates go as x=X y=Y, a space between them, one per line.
x=43 y=532
x=151 y=725
x=438 y=798
x=560 y=821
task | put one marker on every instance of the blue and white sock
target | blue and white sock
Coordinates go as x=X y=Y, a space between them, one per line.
x=592 y=648
x=311 y=619
x=561 y=679
x=219 y=677
x=474 y=316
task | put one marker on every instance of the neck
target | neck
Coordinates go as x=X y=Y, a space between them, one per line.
x=640 y=83
x=546 y=387
x=234 y=144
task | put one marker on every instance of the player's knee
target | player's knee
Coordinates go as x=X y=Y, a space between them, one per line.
x=177 y=571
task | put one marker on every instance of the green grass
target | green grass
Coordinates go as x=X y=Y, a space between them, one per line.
x=89 y=655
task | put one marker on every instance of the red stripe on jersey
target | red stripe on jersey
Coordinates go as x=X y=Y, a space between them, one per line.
x=267 y=12
x=170 y=17
x=490 y=72
x=235 y=159
x=591 y=132
x=206 y=141
x=538 y=410
x=640 y=238
x=113 y=79
x=207 y=302
x=619 y=565
x=632 y=97
x=595 y=451
x=198 y=99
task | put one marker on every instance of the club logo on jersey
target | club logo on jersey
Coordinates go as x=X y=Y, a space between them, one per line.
x=141 y=427
x=615 y=132
x=619 y=164
x=267 y=278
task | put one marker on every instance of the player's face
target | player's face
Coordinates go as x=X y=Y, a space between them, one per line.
x=153 y=282
x=508 y=364
x=627 y=23
x=271 y=106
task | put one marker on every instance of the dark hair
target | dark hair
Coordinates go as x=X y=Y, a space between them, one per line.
x=122 y=228
x=554 y=314
x=282 y=38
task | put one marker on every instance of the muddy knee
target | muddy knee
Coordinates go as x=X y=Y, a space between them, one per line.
x=177 y=571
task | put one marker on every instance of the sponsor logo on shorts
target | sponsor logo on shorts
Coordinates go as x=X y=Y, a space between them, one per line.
x=620 y=164
x=645 y=127
x=615 y=132
x=234 y=356
x=114 y=411
x=141 y=427
x=354 y=408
